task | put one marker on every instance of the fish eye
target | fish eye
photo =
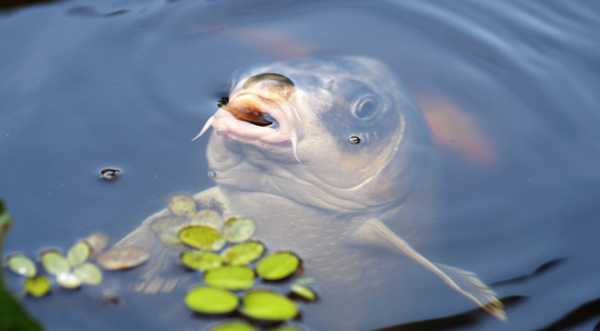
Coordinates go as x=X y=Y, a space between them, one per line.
x=365 y=108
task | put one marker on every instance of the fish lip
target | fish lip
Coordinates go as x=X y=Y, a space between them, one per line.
x=226 y=124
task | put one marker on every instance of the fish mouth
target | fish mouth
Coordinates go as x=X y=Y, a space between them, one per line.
x=263 y=117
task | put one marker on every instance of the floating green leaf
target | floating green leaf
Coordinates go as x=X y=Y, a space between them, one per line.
x=54 y=263
x=287 y=328
x=182 y=205
x=207 y=217
x=244 y=253
x=230 y=278
x=121 y=258
x=78 y=253
x=88 y=273
x=21 y=265
x=238 y=229
x=68 y=280
x=268 y=305
x=198 y=260
x=208 y=300
x=278 y=266
x=37 y=286
x=201 y=237
x=97 y=242
x=233 y=326
x=304 y=292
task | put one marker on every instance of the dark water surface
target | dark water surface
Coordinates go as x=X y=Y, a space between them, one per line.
x=87 y=84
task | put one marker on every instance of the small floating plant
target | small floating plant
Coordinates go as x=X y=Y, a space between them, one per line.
x=229 y=261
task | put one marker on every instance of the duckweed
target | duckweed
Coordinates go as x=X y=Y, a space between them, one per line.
x=54 y=263
x=78 y=253
x=21 y=265
x=37 y=286
x=230 y=278
x=198 y=260
x=201 y=237
x=238 y=229
x=303 y=292
x=278 y=266
x=88 y=273
x=244 y=253
x=182 y=205
x=268 y=306
x=233 y=326
x=206 y=300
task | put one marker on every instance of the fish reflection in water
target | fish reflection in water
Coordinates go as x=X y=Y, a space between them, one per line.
x=323 y=154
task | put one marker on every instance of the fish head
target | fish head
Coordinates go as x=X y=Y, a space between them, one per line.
x=337 y=133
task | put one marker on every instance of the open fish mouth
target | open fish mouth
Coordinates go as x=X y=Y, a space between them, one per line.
x=259 y=113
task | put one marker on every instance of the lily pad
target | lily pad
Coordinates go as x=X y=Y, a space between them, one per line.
x=37 y=286
x=278 y=266
x=233 y=326
x=121 y=258
x=268 y=306
x=21 y=265
x=244 y=253
x=238 y=229
x=198 y=260
x=208 y=300
x=207 y=217
x=201 y=237
x=79 y=253
x=88 y=273
x=54 y=263
x=182 y=205
x=303 y=292
x=230 y=278
x=68 y=280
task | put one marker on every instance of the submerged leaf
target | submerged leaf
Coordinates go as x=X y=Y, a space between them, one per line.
x=238 y=229
x=120 y=258
x=201 y=237
x=182 y=205
x=207 y=217
x=211 y=300
x=89 y=274
x=244 y=253
x=21 y=265
x=268 y=305
x=304 y=292
x=37 y=286
x=230 y=278
x=68 y=280
x=233 y=326
x=79 y=253
x=203 y=261
x=54 y=263
x=278 y=266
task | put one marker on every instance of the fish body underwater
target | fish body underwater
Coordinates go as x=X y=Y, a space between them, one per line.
x=325 y=155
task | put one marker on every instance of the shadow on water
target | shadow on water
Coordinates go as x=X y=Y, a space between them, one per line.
x=16 y=4
x=542 y=269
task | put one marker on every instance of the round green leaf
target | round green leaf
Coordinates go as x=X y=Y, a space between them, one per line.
x=37 y=286
x=79 y=253
x=207 y=217
x=68 y=280
x=208 y=300
x=278 y=266
x=182 y=205
x=201 y=237
x=198 y=260
x=244 y=253
x=304 y=292
x=238 y=229
x=230 y=278
x=268 y=305
x=121 y=258
x=88 y=273
x=54 y=263
x=233 y=326
x=21 y=265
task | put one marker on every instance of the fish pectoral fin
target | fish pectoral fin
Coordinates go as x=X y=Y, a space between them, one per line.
x=464 y=282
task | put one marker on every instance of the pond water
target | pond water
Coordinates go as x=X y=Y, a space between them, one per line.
x=128 y=83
